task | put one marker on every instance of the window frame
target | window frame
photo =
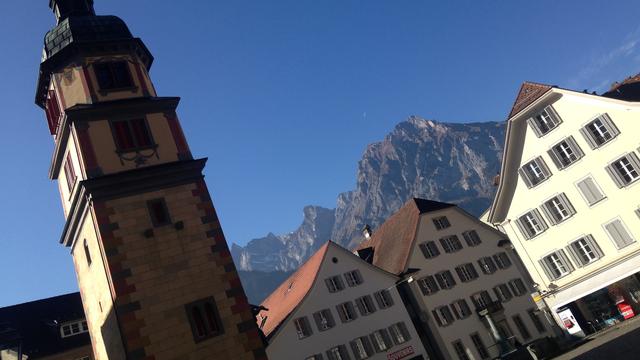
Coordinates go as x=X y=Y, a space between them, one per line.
x=334 y=284
x=499 y=257
x=551 y=208
x=632 y=167
x=399 y=333
x=441 y=222
x=447 y=279
x=110 y=66
x=136 y=147
x=526 y=226
x=551 y=112
x=609 y=126
x=590 y=187
x=561 y=157
x=302 y=327
x=428 y=285
x=578 y=256
x=76 y=327
x=632 y=239
x=487 y=270
x=527 y=172
x=365 y=305
x=472 y=238
x=461 y=309
x=353 y=278
x=503 y=292
x=383 y=298
x=443 y=316
x=209 y=320
x=518 y=287
x=386 y=340
x=481 y=299
x=361 y=344
x=451 y=244
x=324 y=319
x=429 y=249
x=562 y=258
x=467 y=272
x=344 y=309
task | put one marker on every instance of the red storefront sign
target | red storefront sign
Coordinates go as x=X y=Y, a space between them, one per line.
x=401 y=354
x=626 y=311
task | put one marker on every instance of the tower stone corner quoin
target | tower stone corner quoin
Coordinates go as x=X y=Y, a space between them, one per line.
x=155 y=274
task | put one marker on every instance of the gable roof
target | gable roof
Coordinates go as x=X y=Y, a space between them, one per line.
x=393 y=240
x=529 y=92
x=291 y=292
x=37 y=325
x=628 y=89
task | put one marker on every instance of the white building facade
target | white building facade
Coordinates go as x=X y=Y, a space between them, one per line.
x=473 y=295
x=569 y=200
x=338 y=307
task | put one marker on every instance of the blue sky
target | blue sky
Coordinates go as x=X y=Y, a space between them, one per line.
x=284 y=95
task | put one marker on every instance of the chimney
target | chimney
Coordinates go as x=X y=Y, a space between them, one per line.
x=366 y=231
x=65 y=8
x=496 y=180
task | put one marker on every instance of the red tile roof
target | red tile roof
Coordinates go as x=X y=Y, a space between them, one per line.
x=392 y=241
x=529 y=92
x=290 y=293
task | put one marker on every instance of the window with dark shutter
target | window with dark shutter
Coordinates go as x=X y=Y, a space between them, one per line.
x=531 y=224
x=353 y=278
x=487 y=265
x=534 y=172
x=362 y=348
x=556 y=265
x=480 y=347
x=87 y=254
x=428 y=285
x=471 y=238
x=522 y=328
x=324 y=319
x=346 y=311
x=365 y=305
x=441 y=222
x=544 y=121
x=69 y=172
x=383 y=298
x=381 y=340
x=113 y=75
x=518 y=287
x=599 y=131
x=585 y=250
x=445 y=279
x=429 y=249
x=625 y=170
x=461 y=309
x=558 y=209
x=565 y=153
x=451 y=243
x=303 y=329
x=204 y=318
x=52 y=110
x=131 y=135
x=502 y=260
x=461 y=350
x=533 y=314
x=334 y=284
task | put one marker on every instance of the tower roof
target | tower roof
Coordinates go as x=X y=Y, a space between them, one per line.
x=65 y=8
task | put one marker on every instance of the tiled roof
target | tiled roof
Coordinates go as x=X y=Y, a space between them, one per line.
x=628 y=90
x=37 y=325
x=290 y=293
x=529 y=92
x=393 y=240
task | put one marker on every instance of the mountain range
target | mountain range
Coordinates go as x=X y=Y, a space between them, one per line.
x=450 y=162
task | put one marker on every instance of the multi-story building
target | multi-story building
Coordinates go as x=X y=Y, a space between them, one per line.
x=47 y=329
x=569 y=200
x=471 y=293
x=338 y=307
x=155 y=274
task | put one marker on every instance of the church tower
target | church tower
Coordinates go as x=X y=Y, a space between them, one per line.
x=154 y=270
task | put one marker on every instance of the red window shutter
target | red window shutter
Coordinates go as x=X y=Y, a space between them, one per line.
x=123 y=135
x=53 y=111
x=141 y=133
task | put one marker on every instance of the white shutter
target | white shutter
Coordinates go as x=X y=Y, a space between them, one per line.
x=590 y=191
x=618 y=233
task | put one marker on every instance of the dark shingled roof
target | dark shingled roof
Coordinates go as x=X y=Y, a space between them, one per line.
x=37 y=325
x=391 y=243
x=628 y=90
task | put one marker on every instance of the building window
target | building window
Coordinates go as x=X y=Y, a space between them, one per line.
x=534 y=172
x=113 y=75
x=451 y=244
x=346 y=312
x=158 y=212
x=461 y=350
x=383 y=298
x=314 y=357
x=480 y=347
x=361 y=348
x=428 y=285
x=429 y=249
x=503 y=293
x=443 y=316
x=365 y=305
x=69 y=173
x=353 y=278
x=481 y=299
x=131 y=135
x=324 y=319
x=338 y=353
x=599 y=131
x=502 y=260
x=73 y=328
x=590 y=191
x=381 y=341
x=558 y=209
x=531 y=224
x=626 y=170
x=533 y=314
x=585 y=250
x=619 y=234
x=487 y=266
x=545 y=121
x=522 y=328
x=399 y=333
x=204 y=319
x=517 y=287
x=52 y=110
x=556 y=265
x=471 y=238
x=87 y=254
x=441 y=222
x=445 y=279
x=461 y=309
x=565 y=153
x=334 y=284
x=467 y=272
x=303 y=328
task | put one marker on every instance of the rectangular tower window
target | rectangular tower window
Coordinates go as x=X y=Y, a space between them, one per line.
x=558 y=209
x=113 y=75
x=618 y=233
x=131 y=135
x=625 y=170
x=87 y=254
x=429 y=249
x=534 y=172
x=69 y=173
x=204 y=319
x=590 y=191
x=545 y=121
x=599 y=131
x=158 y=212
x=565 y=153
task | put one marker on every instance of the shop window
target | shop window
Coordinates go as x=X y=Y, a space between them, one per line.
x=429 y=249
x=451 y=244
x=472 y=238
x=204 y=319
x=565 y=153
x=131 y=135
x=441 y=222
x=600 y=131
x=113 y=75
x=534 y=172
x=158 y=212
x=590 y=191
